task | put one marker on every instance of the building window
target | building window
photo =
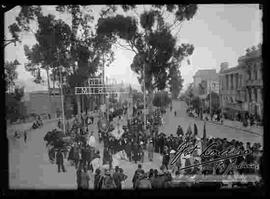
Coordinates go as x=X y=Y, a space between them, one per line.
x=236 y=76
x=232 y=82
x=255 y=73
x=255 y=95
x=241 y=81
x=249 y=74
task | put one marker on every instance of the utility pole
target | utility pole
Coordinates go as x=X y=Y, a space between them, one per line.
x=144 y=100
x=62 y=98
x=210 y=99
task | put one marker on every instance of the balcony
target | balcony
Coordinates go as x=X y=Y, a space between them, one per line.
x=257 y=82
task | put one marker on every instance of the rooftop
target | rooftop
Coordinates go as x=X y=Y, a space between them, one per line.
x=209 y=74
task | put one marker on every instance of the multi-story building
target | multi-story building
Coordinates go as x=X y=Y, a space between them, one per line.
x=241 y=86
x=232 y=89
x=252 y=65
x=209 y=78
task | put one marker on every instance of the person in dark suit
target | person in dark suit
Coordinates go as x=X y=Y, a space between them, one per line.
x=60 y=161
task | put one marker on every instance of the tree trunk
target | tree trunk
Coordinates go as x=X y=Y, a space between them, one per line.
x=49 y=88
x=78 y=104
x=150 y=100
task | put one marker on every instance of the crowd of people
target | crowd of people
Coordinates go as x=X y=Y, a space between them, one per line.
x=247 y=119
x=84 y=156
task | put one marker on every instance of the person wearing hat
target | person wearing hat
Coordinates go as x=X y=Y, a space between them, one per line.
x=98 y=179
x=166 y=159
x=84 y=178
x=143 y=182
x=179 y=131
x=150 y=149
x=108 y=181
x=60 y=161
x=136 y=174
x=117 y=178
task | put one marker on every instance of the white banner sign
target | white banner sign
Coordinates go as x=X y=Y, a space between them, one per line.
x=97 y=90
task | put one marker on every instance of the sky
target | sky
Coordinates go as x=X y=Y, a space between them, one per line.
x=219 y=33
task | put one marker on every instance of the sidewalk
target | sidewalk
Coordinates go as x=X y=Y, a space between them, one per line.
x=24 y=126
x=238 y=125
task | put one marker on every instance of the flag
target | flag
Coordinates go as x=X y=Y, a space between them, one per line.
x=204 y=135
x=195 y=130
x=204 y=131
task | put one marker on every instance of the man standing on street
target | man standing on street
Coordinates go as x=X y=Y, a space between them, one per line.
x=60 y=161
x=136 y=174
x=117 y=178
x=25 y=136
x=150 y=150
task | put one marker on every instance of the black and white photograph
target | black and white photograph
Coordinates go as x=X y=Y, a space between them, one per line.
x=134 y=97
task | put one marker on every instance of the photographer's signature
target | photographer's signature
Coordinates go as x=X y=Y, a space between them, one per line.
x=231 y=153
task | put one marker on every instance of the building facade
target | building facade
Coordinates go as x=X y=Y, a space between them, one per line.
x=232 y=89
x=208 y=77
x=241 y=86
x=252 y=65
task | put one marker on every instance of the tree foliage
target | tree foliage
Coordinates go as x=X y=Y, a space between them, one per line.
x=10 y=73
x=161 y=99
x=13 y=103
x=175 y=81
x=137 y=96
x=26 y=15
x=151 y=39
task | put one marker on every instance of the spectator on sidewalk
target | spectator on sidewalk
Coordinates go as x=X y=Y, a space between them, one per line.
x=150 y=151
x=143 y=182
x=108 y=181
x=123 y=178
x=60 y=161
x=136 y=174
x=76 y=155
x=85 y=178
x=117 y=177
x=98 y=178
x=78 y=174
x=25 y=136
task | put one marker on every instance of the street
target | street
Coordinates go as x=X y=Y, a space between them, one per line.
x=29 y=165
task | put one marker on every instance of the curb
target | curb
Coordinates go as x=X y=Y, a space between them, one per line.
x=248 y=131
x=218 y=124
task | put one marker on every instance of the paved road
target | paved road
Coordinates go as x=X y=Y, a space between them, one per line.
x=214 y=130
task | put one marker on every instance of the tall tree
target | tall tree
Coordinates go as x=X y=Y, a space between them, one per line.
x=75 y=47
x=10 y=74
x=175 y=81
x=189 y=93
x=150 y=37
x=26 y=16
x=87 y=50
x=161 y=99
x=13 y=103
